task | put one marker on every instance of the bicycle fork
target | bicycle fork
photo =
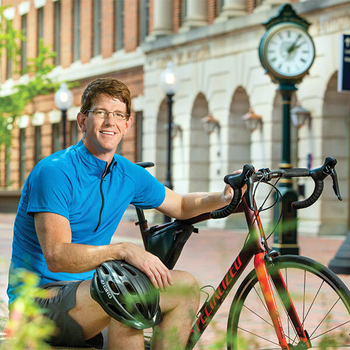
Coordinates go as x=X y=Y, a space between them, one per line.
x=266 y=287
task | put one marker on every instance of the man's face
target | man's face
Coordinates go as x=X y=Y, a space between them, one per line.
x=102 y=135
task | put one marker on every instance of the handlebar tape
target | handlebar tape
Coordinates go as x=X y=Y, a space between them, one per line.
x=229 y=209
x=296 y=172
x=236 y=181
x=312 y=199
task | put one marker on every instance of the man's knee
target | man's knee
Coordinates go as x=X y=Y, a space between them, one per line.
x=190 y=283
x=185 y=287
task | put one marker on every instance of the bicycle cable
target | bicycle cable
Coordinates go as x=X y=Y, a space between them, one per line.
x=261 y=208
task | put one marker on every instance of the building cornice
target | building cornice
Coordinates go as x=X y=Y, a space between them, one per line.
x=246 y=22
x=119 y=61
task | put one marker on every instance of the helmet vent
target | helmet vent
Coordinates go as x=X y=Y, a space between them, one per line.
x=104 y=269
x=140 y=308
x=131 y=270
x=115 y=310
x=118 y=271
x=113 y=287
x=130 y=288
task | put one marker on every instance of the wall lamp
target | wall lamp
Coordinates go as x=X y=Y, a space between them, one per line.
x=252 y=121
x=300 y=116
x=175 y=129
x=210 y=124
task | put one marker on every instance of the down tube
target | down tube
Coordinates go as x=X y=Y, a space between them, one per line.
x=212 y=305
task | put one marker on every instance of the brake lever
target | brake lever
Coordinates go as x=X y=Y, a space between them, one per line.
x=249 y=193
x=336 y=189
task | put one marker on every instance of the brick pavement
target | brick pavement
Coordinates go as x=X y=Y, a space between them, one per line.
x=207 y=256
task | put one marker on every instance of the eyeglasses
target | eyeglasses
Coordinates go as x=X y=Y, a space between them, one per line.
x=103 y=113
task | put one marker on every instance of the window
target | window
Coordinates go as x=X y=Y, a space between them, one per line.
x=183 y=10
x=37 y=151
x=119 y=149
x=7 y=166
x=55 y=137
x=143 y=20
x=76 y=30
x=40 y=27
x=73 y=132
x=57 y=32
x=8 y=64
x=96 y=39
x=219 y=5
x=24 y=43
x=118 y=24
x=139 y=120
x=22 y=156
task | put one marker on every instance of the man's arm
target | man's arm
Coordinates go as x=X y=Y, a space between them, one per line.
x=62 y=255
x=189 y=205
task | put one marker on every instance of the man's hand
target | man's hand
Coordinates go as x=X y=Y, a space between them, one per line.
x=228 y=190
x=148 y=263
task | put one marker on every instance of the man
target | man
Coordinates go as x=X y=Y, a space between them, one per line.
x=70 y=207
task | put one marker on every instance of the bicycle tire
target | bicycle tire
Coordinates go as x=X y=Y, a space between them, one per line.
x=321 y=299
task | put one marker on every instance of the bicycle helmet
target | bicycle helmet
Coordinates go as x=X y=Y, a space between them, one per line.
x=126 y=294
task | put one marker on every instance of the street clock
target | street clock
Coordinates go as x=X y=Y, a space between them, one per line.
x=286 y=50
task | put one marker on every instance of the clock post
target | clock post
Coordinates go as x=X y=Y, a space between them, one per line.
x=285 y=236
x=286 y=52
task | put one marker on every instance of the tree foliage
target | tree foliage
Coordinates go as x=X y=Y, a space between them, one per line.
x=38 y=83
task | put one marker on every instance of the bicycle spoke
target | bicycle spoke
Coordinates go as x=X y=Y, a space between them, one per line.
x=330 y=330
x=324 y=318
x=259 y=336
x=329 y=346
x=261 y=318
x=318 y=291
x=261 y=300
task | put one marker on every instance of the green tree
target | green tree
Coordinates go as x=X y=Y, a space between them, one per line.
x=12 y=105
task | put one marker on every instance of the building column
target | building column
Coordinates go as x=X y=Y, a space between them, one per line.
x=163 y=18
x=233 y=8
x=196 y=15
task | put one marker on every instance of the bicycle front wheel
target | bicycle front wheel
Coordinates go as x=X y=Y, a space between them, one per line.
x=320 y=298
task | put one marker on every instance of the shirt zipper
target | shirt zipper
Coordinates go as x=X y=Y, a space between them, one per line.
x=102 y=197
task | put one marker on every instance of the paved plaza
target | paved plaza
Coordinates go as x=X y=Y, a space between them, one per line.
x=207 y=255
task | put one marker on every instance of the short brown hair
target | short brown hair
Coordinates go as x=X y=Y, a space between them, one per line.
x=111 y=87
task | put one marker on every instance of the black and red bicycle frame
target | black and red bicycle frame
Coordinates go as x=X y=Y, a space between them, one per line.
x=253 y=247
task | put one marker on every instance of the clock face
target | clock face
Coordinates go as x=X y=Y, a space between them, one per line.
x=287 y=51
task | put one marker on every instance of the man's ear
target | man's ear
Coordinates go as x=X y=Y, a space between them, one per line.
x=128 y=124
x=81 y=121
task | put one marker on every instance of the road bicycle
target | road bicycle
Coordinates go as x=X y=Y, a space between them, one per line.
x=287 y=301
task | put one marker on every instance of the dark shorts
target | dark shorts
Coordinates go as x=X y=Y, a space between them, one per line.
x=69 y=331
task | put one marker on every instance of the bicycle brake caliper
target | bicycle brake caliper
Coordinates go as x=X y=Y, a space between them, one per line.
x=270 y=255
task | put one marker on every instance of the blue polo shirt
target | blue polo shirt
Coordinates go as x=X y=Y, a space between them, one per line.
x=71 y=183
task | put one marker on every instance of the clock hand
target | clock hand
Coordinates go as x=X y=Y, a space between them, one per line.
x=293 y=47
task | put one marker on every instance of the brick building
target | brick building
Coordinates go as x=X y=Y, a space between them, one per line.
x=214 y=44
